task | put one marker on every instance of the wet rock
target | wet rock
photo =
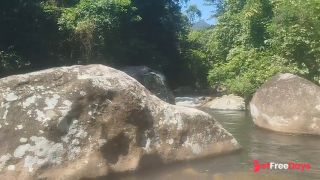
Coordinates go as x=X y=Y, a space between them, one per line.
x=88 y=121
x=152 y=80
x=226 y=102
x=287 y=103
x=192 y=101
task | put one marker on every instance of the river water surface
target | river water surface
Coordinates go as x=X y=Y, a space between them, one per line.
x=257 y=144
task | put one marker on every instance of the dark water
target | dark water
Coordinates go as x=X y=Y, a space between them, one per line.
x=259 y=144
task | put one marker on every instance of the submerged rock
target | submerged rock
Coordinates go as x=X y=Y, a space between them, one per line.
x=226 y=102
x=287 y=103
x=88 y=121
x=152 y=80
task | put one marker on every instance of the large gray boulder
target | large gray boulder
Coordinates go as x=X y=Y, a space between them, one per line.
x=287 y=103
x=154 y=81
x=89 y=121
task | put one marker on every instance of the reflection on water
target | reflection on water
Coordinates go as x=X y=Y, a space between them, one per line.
x=260 y=144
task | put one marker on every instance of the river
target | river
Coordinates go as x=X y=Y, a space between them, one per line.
x=257 y=144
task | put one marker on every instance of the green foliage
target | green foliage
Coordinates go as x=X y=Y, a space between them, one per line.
x=113 y=32
x=10 y=61
x=29 y=32
x=126 y=32
x=195 y=57
x=295 y=34
x=245 y=70
x=256 y=39
x=253 y=40
x=89 y=22
x=99 y=15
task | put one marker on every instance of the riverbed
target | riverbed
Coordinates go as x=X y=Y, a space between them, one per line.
x=257 y=144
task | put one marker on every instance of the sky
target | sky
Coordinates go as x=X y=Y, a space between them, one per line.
x=206 y=10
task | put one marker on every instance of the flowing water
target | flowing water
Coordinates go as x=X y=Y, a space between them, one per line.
x=257 y=144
